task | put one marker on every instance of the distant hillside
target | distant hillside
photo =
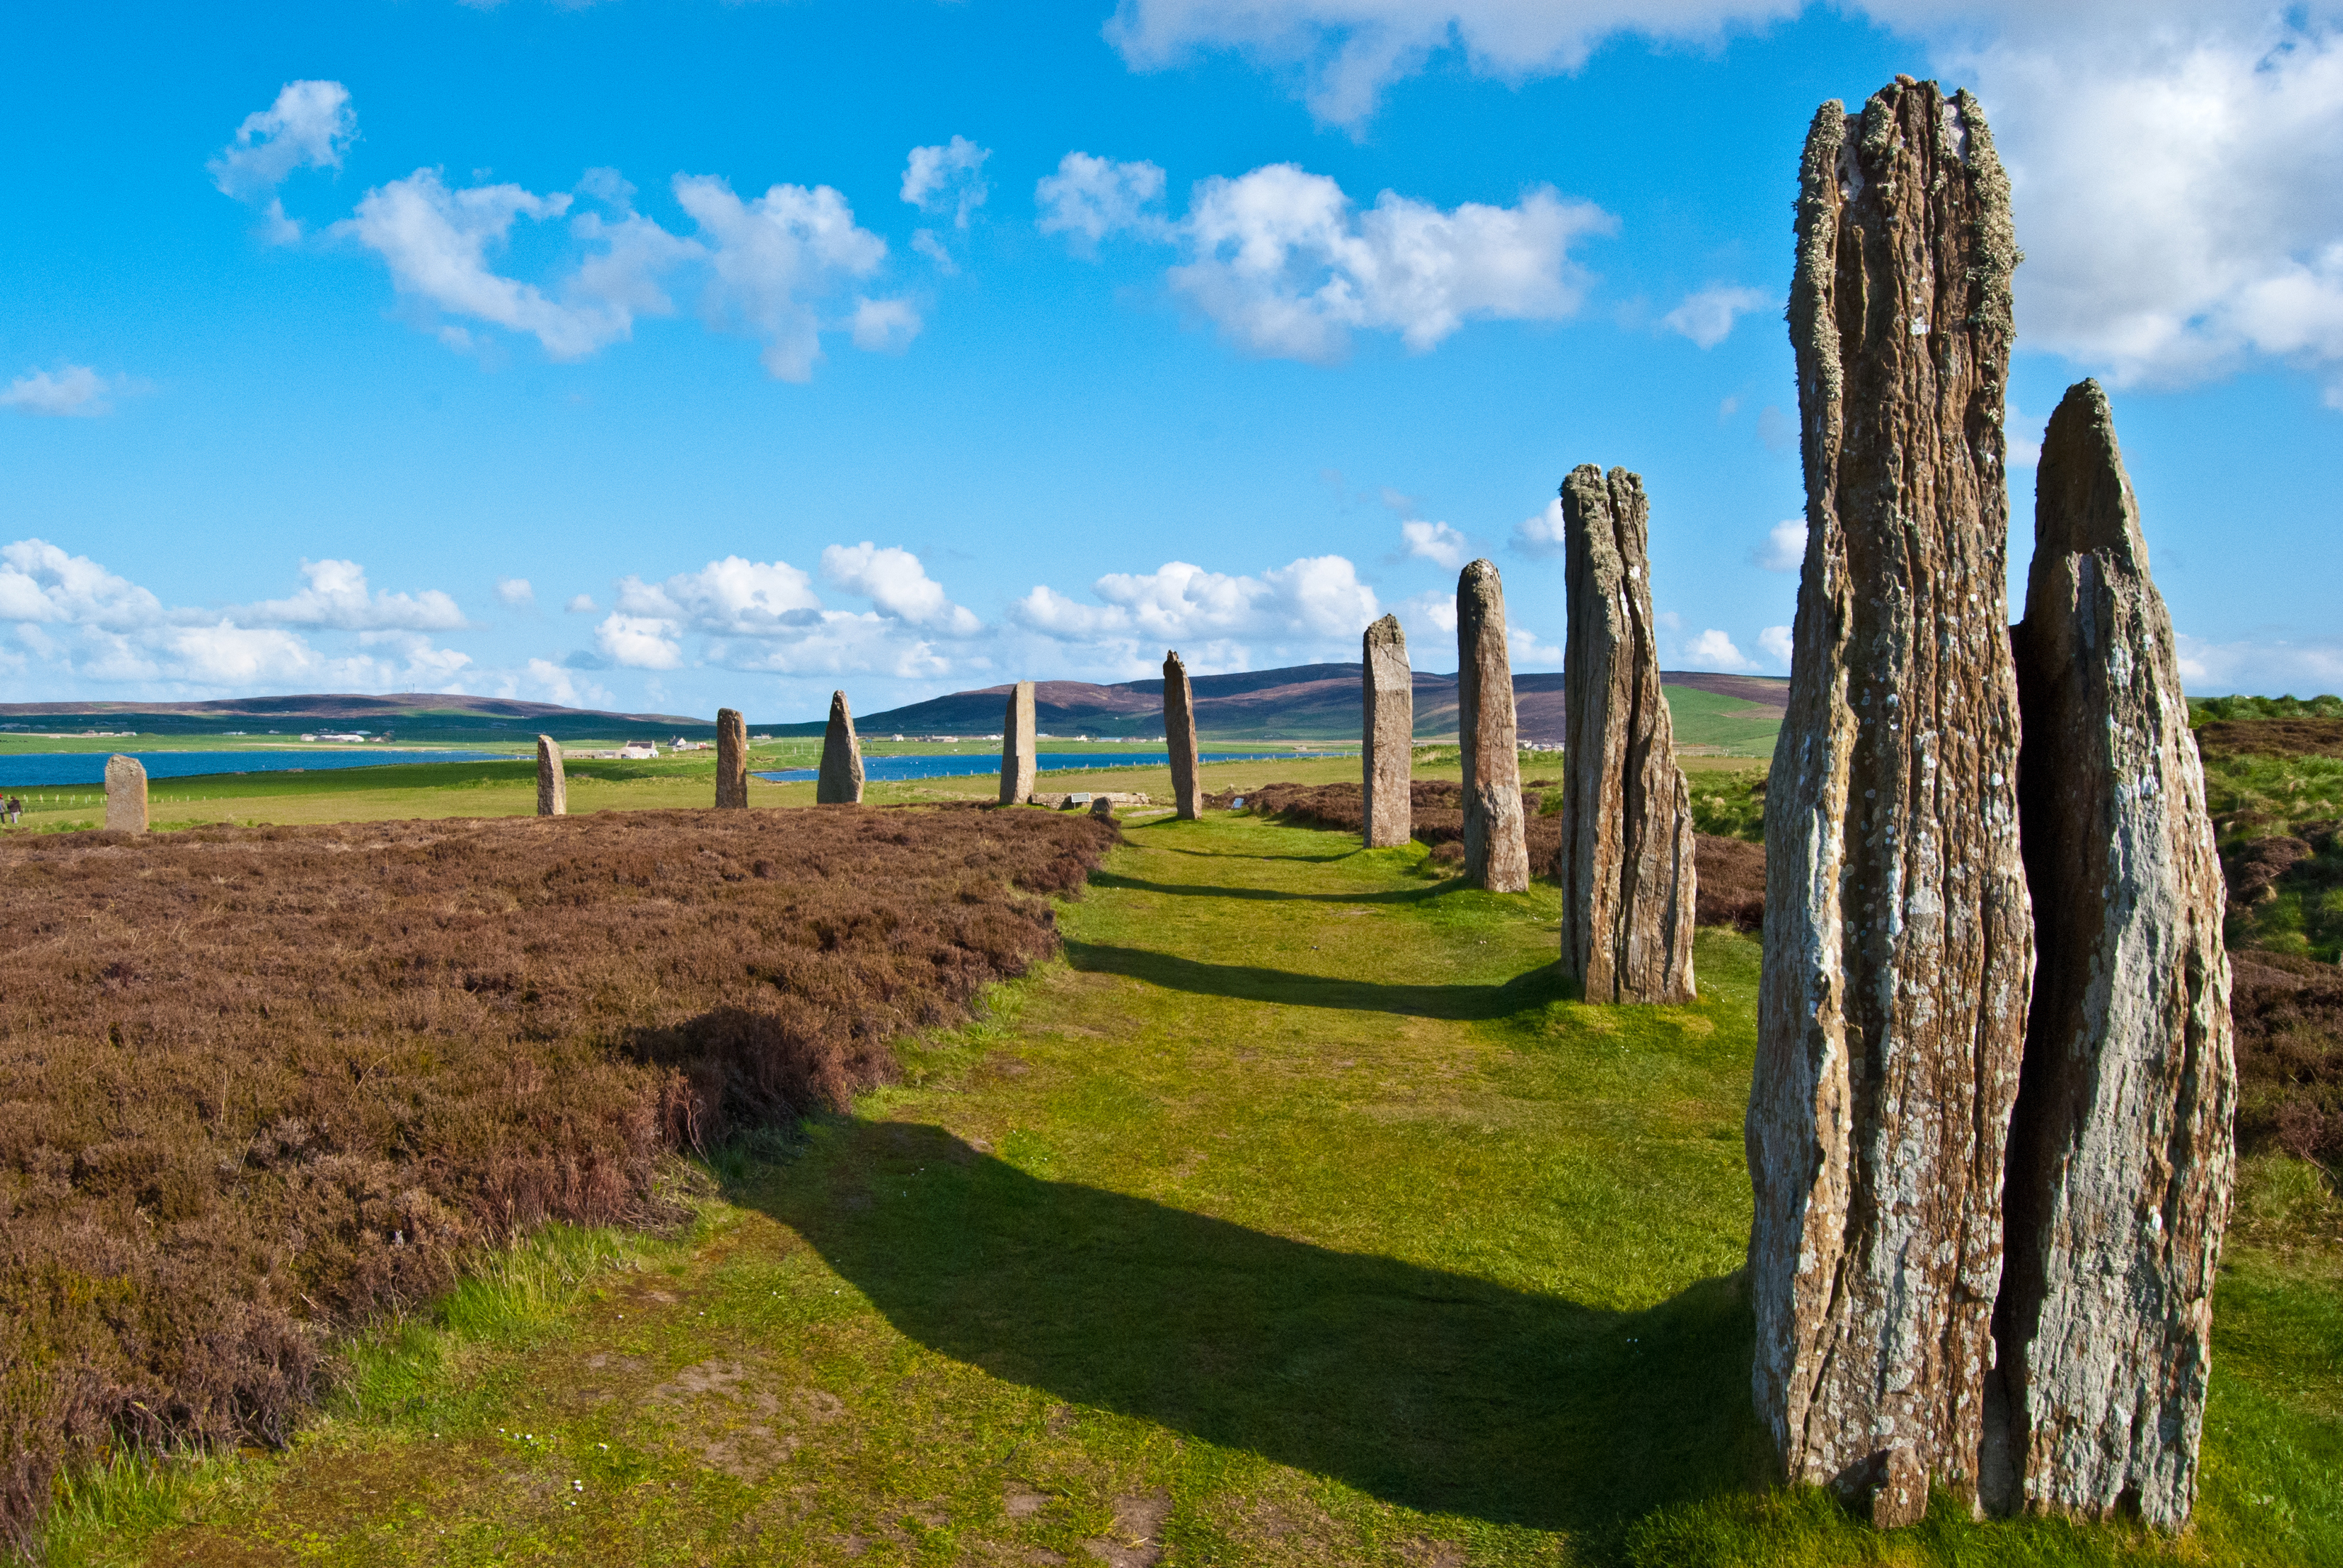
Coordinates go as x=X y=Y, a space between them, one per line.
x=410 y=715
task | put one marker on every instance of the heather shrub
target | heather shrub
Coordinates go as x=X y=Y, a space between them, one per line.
x=259 y=1084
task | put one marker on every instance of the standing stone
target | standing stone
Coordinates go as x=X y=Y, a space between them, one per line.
x=2121 y=1154
x=1179 y=729
x=126 y=794
x=1389 y=729
x=552 y=785
x=1627 y=860
x=1496 y=851
x=1017 y=763
x=1898 y=944
x=839 y=782
x=731 y=758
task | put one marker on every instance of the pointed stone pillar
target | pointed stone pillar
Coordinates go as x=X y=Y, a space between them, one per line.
x=1497 y=849
x=2121 y=1155
x=1387 y=759
x=552 y=784
x=731 y=758
x=1179 y=731
x=839 y=782
x=1625 y=864
x=1017 y=762
x=126 y=794
x=1899 y=943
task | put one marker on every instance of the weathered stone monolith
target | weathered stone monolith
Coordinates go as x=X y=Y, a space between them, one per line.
x=839 y=782
x=1898 y=944
x=2121 y=1154
x=1017 y=763
x=552 y=784
x=1627 y=860
x=1179 y=730
x=1387 y=759
x=1496 y=851
x=731 y=757
x=126 y=794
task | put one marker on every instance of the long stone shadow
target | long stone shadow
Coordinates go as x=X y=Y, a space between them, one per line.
x=1247 y=983
x=1274 y=895
x=1436 y=1390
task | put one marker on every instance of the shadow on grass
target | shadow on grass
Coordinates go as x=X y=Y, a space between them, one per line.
x=1462 y=1003
x=1274 y=895
x=1435 y=1391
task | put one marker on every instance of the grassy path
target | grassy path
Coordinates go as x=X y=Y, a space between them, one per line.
x=1296 y=1217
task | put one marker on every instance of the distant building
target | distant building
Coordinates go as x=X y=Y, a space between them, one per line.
x=638 y=751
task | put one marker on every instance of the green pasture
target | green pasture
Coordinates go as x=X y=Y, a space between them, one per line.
x=1726 y=726
x=1296 y=1214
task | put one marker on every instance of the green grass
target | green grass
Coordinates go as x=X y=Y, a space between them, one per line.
x=1728 y=724
x=1297 y=1216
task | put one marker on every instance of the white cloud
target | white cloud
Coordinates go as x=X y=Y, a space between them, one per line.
x=40 y=582
x=70 y=391
x=730 y=598
x=895 y=581
x=1090 y=197
x=336 y=596
x=1785 y=550
x=951 y=174
x=639 y=642
x=1312 y=606
x=1706 y=316
x=885 y=325
x=2266 y=665
x=308 y=126
x=1436 y=542
x=1546 y=534
x=542 y=680
x=1773 y=642
x=515 y=590
x=775 y=259
x=1713 y=649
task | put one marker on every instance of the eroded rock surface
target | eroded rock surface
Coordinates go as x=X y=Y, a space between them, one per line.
x=839 y=782
x=731 y=757
x=2121 y=1157
x=1898 y=942
x=1180 y=733
x=1626 y=862
x=1016 y=758
x=1388 y=727
x=553 y=783
x=126 y=794
x=1496 y=852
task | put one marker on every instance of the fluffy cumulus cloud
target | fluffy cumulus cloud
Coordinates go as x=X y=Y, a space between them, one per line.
x=948 y=177
x=1090 y=197
x=308 y=126
x=1438 y=543
x=70 y=391
x=1713 y=649
x=776 y=258
x=896 y=584
x=1785 y=550
x=1773 y=642
x=70 y=622
x=516 y=592
x=1218 y=620
x=1706 y=316
x=1543 y=534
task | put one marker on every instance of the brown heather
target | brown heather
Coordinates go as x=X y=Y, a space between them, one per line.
x=259 y=1084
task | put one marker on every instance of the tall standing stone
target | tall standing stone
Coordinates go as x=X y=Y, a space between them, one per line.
x=1898 y=944
x=1496 y=850
x=731 y=757
x=1017 y=762
x=1388 y=727
x=1179 y=730
x=126 y=794
x=2121 y=1155
x=1625 y=864
x=552 y=784
x=839 y=782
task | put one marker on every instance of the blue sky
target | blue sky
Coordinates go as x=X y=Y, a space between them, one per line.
x=660 y=356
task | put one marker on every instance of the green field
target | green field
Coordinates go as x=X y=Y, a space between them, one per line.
x=1296 y=1215
x=1726 y=725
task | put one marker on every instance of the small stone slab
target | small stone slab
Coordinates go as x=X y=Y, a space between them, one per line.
x=126 y=794
x=839 y=782
x=1388 y=728
x=1496 y=847
x=731 y=758
x=1017 y=766
x=552 y=784
x=1180 y=732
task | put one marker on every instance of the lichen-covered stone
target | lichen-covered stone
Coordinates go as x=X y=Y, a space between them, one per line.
x=1898 y=944
x=2121 y=1157
x=1018 y=765
x=1496 y=850
x=126 y=794
x=1625 y=865
x=839 y=782
x=552 y=784
x=731 y=757
x=1388 y=728
x=1180 y=732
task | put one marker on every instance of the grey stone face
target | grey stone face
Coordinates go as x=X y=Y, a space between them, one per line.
x=1627 y=860
x=126 y=794
x=1388 y=727
x=1179 y=730
x=731 y=757
x=839 y=782
x=1497 y=849
x=552 y=785
x=1899 y=943
x=1017 y=765
x=2121 y=1157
